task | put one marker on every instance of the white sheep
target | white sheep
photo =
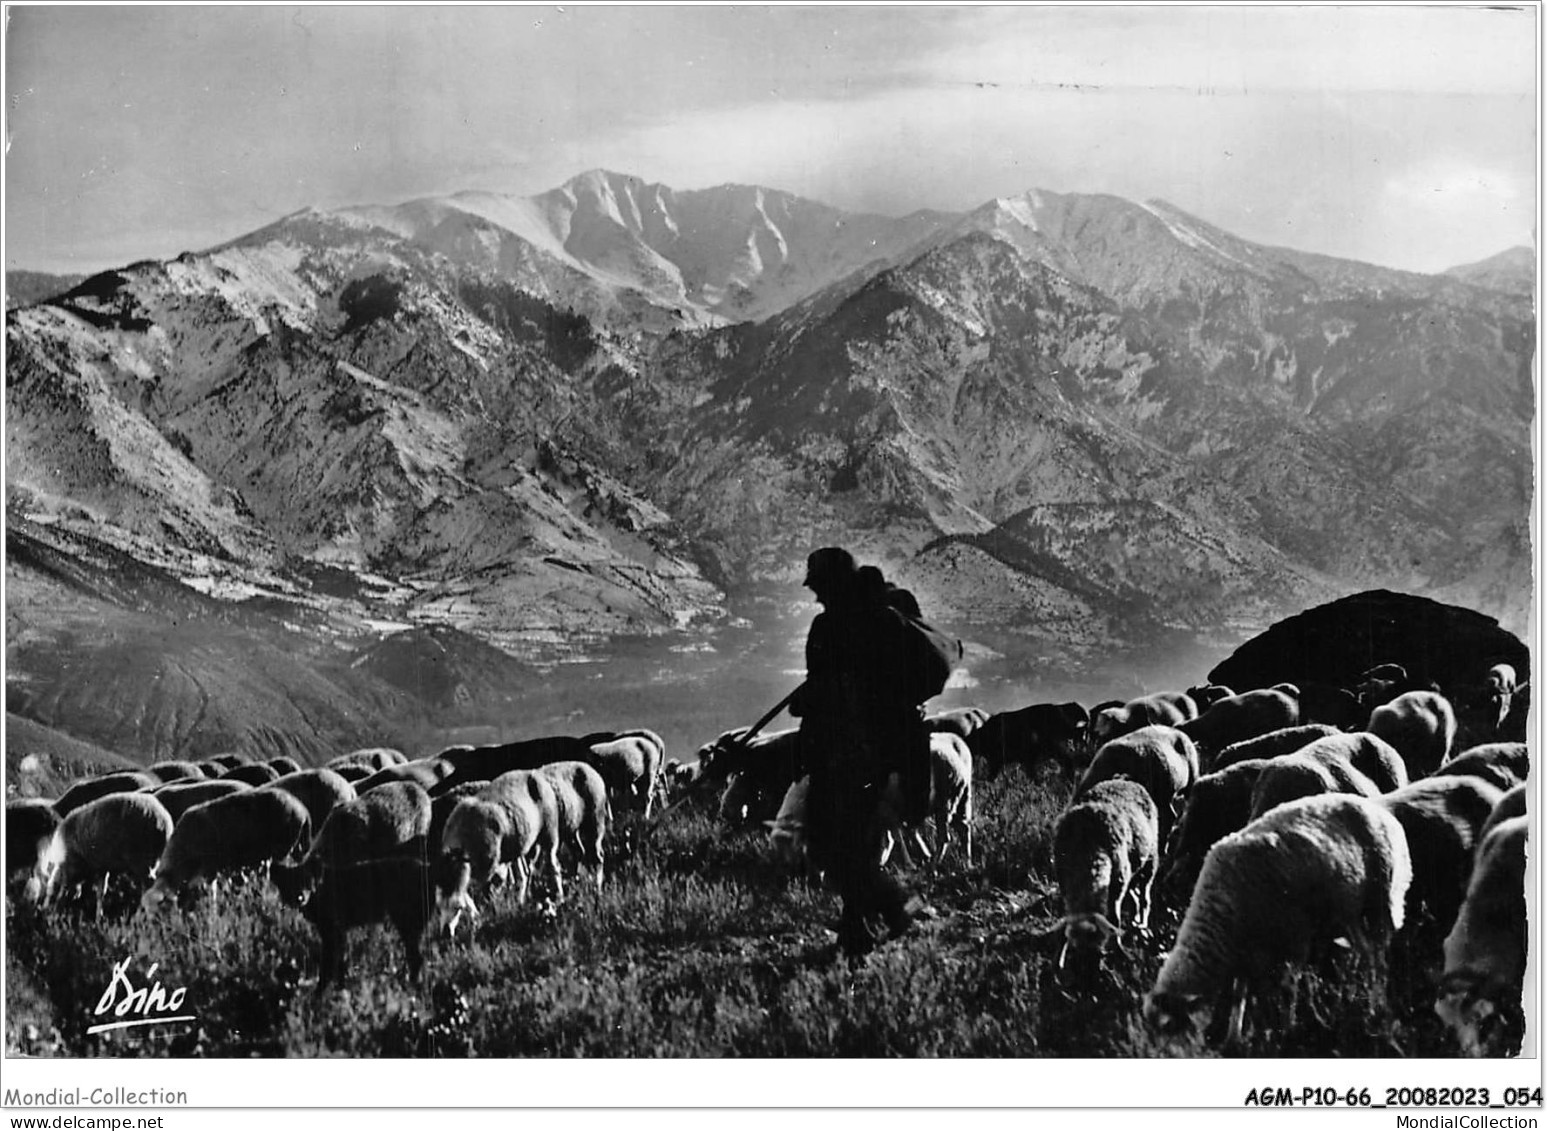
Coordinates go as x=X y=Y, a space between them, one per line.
x=1421 y=725
x=121 y=832
x=1163 y=708
x=584 y=814
x=1105 y=850
x=1162 y=759
x=1504 y=764
x=1311 y=870
x=1241 y=717
x=950 y=803
x=1442 y=818
x=1485 y=952
x=1305 y=773
x=88 y=790
x=629 y=762
x=1274 y=744
x=181 y=796
x=506 y=827
x=250 y=828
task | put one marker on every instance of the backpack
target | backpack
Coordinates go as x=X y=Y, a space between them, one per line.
x=929 y=658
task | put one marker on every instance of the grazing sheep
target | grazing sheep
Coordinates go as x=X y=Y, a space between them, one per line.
x=1105 y=850
x=1305 y=773
x=509 y=825
x=1206 y=695
x=427 y=774
x=1485 y=952
x=321 y=790
x=1164 y=708
x=1274 y=744
x=1421 y=726
x=352 y=772
x=440 y=810
x=241 y=830
x=171 y=771
x=231 y=761
x=1161 y=759
x=211 y=769
x=179 y=797
x=253 y=773
x=1370 y=755
x=1499 y=691
x=1057 y=731
x=392 y=821
x=584 y=812
x=373 y=758
x=629 y=763
x=485 y=763
x=960 y=721
x=1333 y=706
x=1504 y=764
x=1241 y=717
x=285 y=766
x=756 y=774
x=1441 y=817
x=85 y=792
x=1311 y=870
x=121 y=832
x=29 y=826
x=950 y=802
x=396 y=889
x=1219 y=804
x=1511 y=804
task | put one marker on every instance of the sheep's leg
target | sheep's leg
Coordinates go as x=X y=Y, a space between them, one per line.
x=551 y=854
x=523 y=874
x=596 y=855
x=1143 y=893
x=1233 y=1034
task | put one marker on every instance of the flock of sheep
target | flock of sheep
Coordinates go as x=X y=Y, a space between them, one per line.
x=1286 y=820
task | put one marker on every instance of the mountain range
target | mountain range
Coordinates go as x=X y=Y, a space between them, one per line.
x=1076 y=425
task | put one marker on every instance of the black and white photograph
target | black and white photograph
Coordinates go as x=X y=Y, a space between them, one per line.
x=857 y=534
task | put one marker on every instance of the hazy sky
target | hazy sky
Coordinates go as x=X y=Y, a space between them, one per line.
x=1397 y=135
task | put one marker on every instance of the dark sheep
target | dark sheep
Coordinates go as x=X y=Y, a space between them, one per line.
x=176 y=771
x=212 y=769
x=1274 y=744
x=1206 y=695
x=392 y=821
x=1512 y=804
x=441 y=806
x=353 y=772
x=231 y=760
x=253 y=773
x=1331 y=705
x=755 y=775
x=1241 y=717
x=485 y=763
x=85 y=792
x=1442 y=818
x=179 y=797
x=284 y=765
x=1219 y=804
x=1421 y=725
x=427 y=774
x=960 y=721
x=1056 y=731
x=247 y=829
x=1502 y=764
x=394 y=889
x=29 y=826
x=321 y=790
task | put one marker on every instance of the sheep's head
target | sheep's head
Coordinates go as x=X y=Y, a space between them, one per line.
x=1087 y=935
x=157 y=896
x=1470 y=1011
x=1172 y=1013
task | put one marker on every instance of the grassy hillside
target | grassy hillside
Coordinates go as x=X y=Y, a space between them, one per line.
x=699 y=945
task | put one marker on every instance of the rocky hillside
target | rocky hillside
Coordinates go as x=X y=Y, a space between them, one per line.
x=1075 y=424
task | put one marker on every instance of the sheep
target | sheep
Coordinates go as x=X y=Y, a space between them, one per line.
x=253 y=773
x=179 y=797
x=1162 y=759
x=211 y=769
x=1332 y=706
x=247 y=829
x=1421 y=725
x=485 y=763
x=1485 y=952
x=629 y=763
x=1518 y=718
x=352 y=772
x=1059 y=731
x=1504 y=764
x=285 y=766
x=1370 y=755
x=85 y=792
x=1385 y=682
x=392 y=821
x=231 y=760
x=29 y=826
x=372 y=758
x=1105 y=850
x=171 y=771
x=960 y=721
x=1164 y=708
x=1219 y=804
x=1441 y=817
x=392 y=888
x=1311 y=870
x=1206 y=695
x=1241 y=717
x=1274 y=744
x=755 y=774
x=510 y=823
x=1306 y=773
x=428 y=774
x=120 y=832
x=584 y=813
x=321 y=790
x=440 y=810
x=1499 y=690
x=1511 y=804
